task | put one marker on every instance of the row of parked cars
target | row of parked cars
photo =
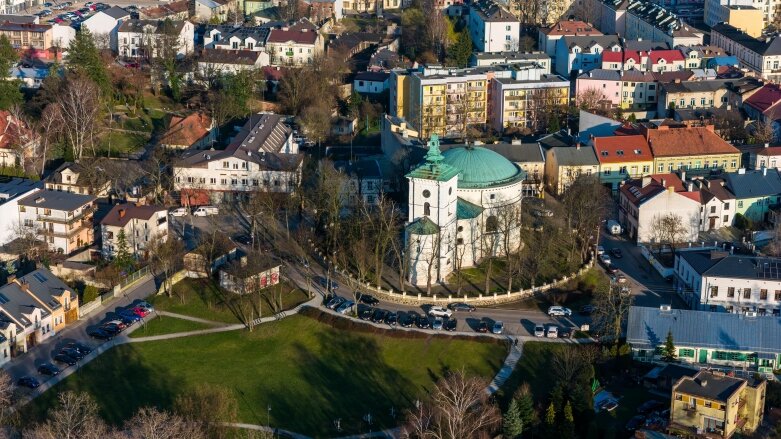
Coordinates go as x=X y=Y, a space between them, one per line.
x=125 y=317
x=69 y=355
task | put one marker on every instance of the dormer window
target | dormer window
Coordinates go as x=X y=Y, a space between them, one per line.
x=604 y=153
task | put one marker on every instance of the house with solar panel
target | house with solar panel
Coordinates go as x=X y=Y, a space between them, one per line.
x=742 y=342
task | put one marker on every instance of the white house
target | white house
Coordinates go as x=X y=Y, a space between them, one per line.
x=61 y=219
x=296 y=45
x=139 y=38
x=104 y=26
x=142 y=225
x=718 y=281
x=371 y=82
x=583 y=53
x=492 y=27
x=236 y=38
x=11 y=192
x=217 y=61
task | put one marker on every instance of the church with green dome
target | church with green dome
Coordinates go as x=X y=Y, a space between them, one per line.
x=464 y=204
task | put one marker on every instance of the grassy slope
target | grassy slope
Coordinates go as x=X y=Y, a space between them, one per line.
x=308 y=372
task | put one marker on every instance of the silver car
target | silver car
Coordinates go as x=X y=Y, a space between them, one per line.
x=437 y=323
x=345 y=306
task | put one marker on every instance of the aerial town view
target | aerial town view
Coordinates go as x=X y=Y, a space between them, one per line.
x=401 y=219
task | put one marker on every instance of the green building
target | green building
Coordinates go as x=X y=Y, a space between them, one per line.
x=756 y=192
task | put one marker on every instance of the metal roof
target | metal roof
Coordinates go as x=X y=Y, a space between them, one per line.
x=754 y=184
x=56 y=200
x=720 y=264
x=648 y=327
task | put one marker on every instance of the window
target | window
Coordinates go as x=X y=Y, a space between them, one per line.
x=747 y=293
x=726 y=218
x=713 y=209
x=507 y=28
x=714 y=291
x=763 y=294
x=646 y=169
x=225 y=165
x=740 y=204
x=726 y=206
x=426 y=193
x=426 y=209
x=730 y=292
x=689 y=353
x=777 y=295
x=491 y=224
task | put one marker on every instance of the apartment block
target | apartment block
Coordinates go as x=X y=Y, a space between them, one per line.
x=27 y=35
x=141 y=226
x=762 y=56
x=526 y=103
x=61 y=219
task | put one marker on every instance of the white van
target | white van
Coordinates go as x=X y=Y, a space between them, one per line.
x=613 y=227
x=206 y=211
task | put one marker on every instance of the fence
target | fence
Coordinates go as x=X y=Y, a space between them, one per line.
x=89 y=307
x=132 y=277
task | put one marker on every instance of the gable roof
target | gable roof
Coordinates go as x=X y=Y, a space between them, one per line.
x=621 y=149
x=575 y=156
x=186 y=130
x=648 y=328
x=570 y=27
x=222 y=56
x=587 y=42
x=116 y=13
x=754 y=183
x=676 y=142
x=762 y=47
x=121 y=214
x=44 y=285
x=301 y=32
x=56 y=200
x=638 y=191
x=765 y=98
x=667 y=55
x=12 y=130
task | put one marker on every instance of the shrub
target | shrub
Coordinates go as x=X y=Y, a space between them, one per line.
x=90 y=293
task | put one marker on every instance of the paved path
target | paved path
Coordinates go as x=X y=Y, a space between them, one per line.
x=191 y=318
x=507 y=368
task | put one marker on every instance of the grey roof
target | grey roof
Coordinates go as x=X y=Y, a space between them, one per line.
x=362 y=169
x=575 y=156
x=754 y=184
x=11 y=188
x=492 y=11
x=56 y=200
x=648 y=327
x=511 y=56
x=645 y=45
x=601 y=74
x=589 y=41
x=15 y=302
x=158 y=26
x=19 y=19
x=696 y=86
x=721 y=264
x=761 y=47
x=559 y=138
x=116 y=12
x=710 y=386
x=593 y=124
x=43 y=285
x=372 y=76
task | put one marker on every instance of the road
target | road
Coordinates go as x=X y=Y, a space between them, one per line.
x=27 y=364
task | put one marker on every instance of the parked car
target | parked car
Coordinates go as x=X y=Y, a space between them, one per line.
x=608 y=405
x=461 y=306
x=100 y=334
x=587 y=310
x=345 y=307
x=437 y=323
x=423 y=322
x=48 y=369
x=439 y=311
x=146 y=305
x=328 y=284
x=111 y=329
x=600 y=250
x=369 y=299
x=553 y=331
x=379 y=315
x=605 y=259
x=129 y=314
x=334 y=302
x=28 y=382
x=81 y=347
x=613 y=227
x=451 y=324
x=482 y=327
x=206 y=211
x=117 y=323
x=620 y=278
x=73 y=353
x=566 y=332
x=617 y=253
x=542 y=213
x=243 y=239
x=498 y=327
x=636 y=422
x=366 y=314
x=140 y=311
x=407 y=320
x=539 y=330
x=65 y=359
x=127 y=320
x=559 y=311
x=611 y=269
x=391 y=319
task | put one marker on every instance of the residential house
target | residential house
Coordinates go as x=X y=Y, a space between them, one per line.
x=18 y=143
x=564 y=164
x=262 y=156
x=322 y=10
x=208 y=10
x=481 y=59
x=697 y=56
x=651 y=61
x=141 y=226
x=29 y=77
x=717 y=404
x=492 y=27
x=27 y=35
x=296 y=45
x=228 y=37
x=249 y=275
x=712 y=280
x=718 y=204
x=763 y=106
x=370 y=83
x=761 y=56
x=52 y=294
x=23 y=319
x=149 y=38
x=343 y=125
x=757 y=192
x=523 y=102
x=583 y=53
x=207 y=258
x=721 y=118
x=549 y=35
x=680 y=94
x=749 y=19
x=79 y=179
x=175 y=10
x=12 y=190
x=194 y=131
x=61 y=219
x=706 y=339
x=695 y=150
x=763 y=156
x=643 y=201
x=646 y=21
x=369 y=179
x=104 y=26
x=622 y=158
x=349 y=44
x=630 y=89
x=218 y=62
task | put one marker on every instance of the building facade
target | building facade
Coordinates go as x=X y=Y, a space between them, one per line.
x=492 y=27
x=141 y=227
x=61 y=219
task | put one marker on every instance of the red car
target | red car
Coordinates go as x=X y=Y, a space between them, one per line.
x=140 y=311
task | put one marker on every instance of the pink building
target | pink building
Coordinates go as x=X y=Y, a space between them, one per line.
x=606 y=82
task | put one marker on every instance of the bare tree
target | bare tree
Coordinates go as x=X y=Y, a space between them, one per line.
x=459 y=407
x=590 y=99
x=668 y=229
x=167 y=257
x=585 y=203
x=211 y=407
x=612 y=305
x=763 y=132
x=400 y=251
x=508 y=217
x=316 y=122
x=78 y=109
x=6 y=396
x=150 y=423
x=774 y=246
x=490 y=241
x=436 y=27
x=384 y=225
x=76 y=417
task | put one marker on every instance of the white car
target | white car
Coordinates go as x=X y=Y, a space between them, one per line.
x=439 y=311
x=600 y=250
x=206 y=211
x=553 y=331
x=559 y=311
x=539 y=330
x=605 y=259
x=179 y=211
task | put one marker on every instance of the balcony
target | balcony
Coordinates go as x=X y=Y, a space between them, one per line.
x=53 y=219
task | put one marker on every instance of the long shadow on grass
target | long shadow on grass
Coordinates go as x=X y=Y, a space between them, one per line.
x=349 y=380
x=118 y=381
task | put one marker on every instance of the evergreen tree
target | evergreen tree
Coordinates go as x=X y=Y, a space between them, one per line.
x=459 y=52
x=526 y=410
x=8 y=55
x=123 y=259
x=668 y=351
x=354 y=104
x=84 y=58
x=10 y=94
x=512 y=426
x=550 y=416
x=568 y=426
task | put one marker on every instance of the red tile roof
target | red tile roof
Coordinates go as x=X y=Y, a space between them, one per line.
x=121 y=214
x=567 y=27
x=769 y=151
x=301 y=32
x=621 y=57
x=765 y=98
x=675 y=142
x=656 y=184
x=11 y=130
x=187 y=130
x=667 y=55
x=620 y=149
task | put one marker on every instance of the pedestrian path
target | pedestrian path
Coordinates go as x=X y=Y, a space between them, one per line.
x=507 y=368
x=190 y=318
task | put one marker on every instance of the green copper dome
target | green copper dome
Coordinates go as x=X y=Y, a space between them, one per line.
x=480 y=167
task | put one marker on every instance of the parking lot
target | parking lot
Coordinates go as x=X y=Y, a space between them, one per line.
x=57 y=11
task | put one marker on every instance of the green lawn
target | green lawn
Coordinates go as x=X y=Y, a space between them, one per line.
x=167 y=325
x=119 y=142
x=307 y=372
x=202 y=298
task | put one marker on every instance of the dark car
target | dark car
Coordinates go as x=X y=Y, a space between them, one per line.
x=450 y=324
x=369 y=299
x=649 y=406
x=635 y=423
x=407 y=321
x=460 y=306
x=243 y=239
x=128 y=316
x=566 y=332
x=100 y=334
x=66 y=359
x=611 y=269
x=482 y=327
x=391 y=318
x=366 y=314
x=378 y=316
x=29 y=382
x=111 y=328
x=423 y=322
x=48 y=369
x=72 y=353
x=617 y=253
x=587 y=310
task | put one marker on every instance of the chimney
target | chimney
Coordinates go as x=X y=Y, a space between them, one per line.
x=690 y=186
x=703 y=382
x=646 y=180
x=664 y=182
x=767 y=145
x=683 y=175
x=677 y=80
x=243 y=261
x=121 y=213
x=11 y=278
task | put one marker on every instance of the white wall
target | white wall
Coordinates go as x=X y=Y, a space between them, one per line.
x=663 y=204
x=9 y=217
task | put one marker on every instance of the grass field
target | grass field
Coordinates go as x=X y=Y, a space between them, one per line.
x=307 y=372
x=202 y=298
x=167 y=325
